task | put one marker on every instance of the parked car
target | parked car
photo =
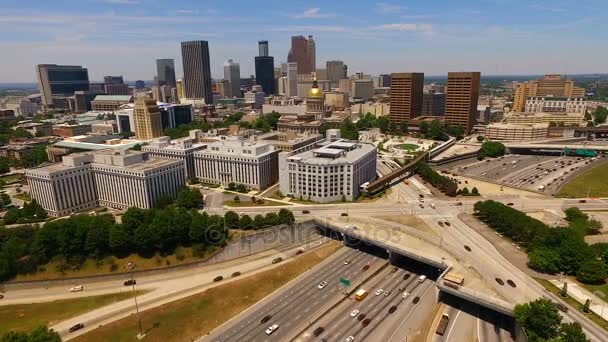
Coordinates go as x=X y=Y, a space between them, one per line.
x=218 y=278
x=130 y=282
x=277 y=260
x=76 y=327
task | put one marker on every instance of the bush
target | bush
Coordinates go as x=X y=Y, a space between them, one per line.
x=491 y=149
x=448 y=186
x=592 y=271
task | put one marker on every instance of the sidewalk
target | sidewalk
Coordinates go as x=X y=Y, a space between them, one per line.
x=581 y=294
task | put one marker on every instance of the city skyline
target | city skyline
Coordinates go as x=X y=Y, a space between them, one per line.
x=118 y=37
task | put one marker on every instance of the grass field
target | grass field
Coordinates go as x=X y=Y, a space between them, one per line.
x=267 y=203
x=105 y=266
x=24 y=196
x=11 y=178
x=408 y=147
x=592 y=181
x=28 y=316
x=195 y=316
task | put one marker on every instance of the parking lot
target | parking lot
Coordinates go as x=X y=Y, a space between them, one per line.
x=540 y=173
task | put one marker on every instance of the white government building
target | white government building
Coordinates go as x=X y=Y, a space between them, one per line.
x=248 y=162
x=182 y=149
x=330 y=171
x=117 y=179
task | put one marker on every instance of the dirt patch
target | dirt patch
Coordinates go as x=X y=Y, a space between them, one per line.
x=408 y=220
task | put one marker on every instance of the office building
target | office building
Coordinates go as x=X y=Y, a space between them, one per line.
x=110 y=102
x=292 y=79
x=321 y=74
x=59 y=82
x=251 y=163
x=362 y=89
x=181 y=149
x=332 y=172
x=165 y=72
x=139 y=84
x=264 y=69
x=461 y=99
x=116 y=89
x=433 y=104
x=335 y=72
x=303 y=52
x=337 y=100
x=147 y=119
x=549 y=85
x=81 y=101
x=555 y=119
x=345 y=85
x=70 y=130
x=406 y=96
x=511 y=132
x=255 y=97
x=550 y=104
x=232 y=73
x=163 y=93
x=179 y=86
x=116 y=179
x=174 y=115
x=197 y=70
x=113 y=80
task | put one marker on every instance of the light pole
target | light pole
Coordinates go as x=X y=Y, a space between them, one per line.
x=141 y=334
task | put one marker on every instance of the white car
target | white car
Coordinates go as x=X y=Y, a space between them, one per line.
x=354 y=313
x=350 y=339
x=346 y=262
x=77 y=288
x=271 y=329
x=405 y=294
x=322 y=284
x=379 y=292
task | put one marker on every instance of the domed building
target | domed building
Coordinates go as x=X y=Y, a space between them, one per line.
x=315 y=104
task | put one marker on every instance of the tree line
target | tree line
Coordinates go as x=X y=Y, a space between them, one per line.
x=70 y=241
x=491 y=149
x=542 y=322
x=40 y=334
x=550 y=249
x=443 y=183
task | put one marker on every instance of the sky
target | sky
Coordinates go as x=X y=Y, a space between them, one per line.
x=124 y=37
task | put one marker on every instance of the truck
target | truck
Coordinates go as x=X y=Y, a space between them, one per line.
x=443 y=324
x=360 y=294
x=453 y=278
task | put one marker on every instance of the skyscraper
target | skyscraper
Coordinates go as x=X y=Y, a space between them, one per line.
x=303 y=52
x=147 y=119
x=461 y=99
x=232 y=73
x=165 y=72
x=335 y=71
x=197 y=70
x=58 y=82
x=549 y=85
x=292 y=79
x=264 y=69
x=113 y=80
x=263 y=48
x=406 y=96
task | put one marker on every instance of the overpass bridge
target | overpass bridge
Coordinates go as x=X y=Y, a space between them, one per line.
x=554 y=147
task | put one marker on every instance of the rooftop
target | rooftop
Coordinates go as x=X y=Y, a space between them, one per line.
x=124 y=98
x=337 y=152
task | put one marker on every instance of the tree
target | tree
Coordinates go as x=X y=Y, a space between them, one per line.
x=480 y=138
x=5 y=165
x=474 y=191
x=465 y=191
x=424 y=127
x=44 y=334
x=237 y=199
x=601 y=113
x=231 y=186
x=163 y=202
x=592 y=271
x=544 y=259
x=231 y=219
x=5 y=199
x=286 y=216
x=491 y=149
x=245 y=222
x=198 y=227
x=564 y=291
x=540 y=318
x=242 y=188
x=575 y=213
x=572 y=332
x=259 y=221
x=120 y=239
x=188 y=198
x=587 y=305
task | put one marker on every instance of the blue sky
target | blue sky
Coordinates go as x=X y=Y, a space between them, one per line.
x=126 y=36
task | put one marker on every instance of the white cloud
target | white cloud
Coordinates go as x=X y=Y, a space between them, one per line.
x=122 y=2
x=313 y=13
x=426 y=28
x=387 y=8
x=184 y=11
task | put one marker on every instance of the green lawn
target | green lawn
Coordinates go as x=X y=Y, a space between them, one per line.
x=593 y=180
x=24 y=196
x=192 y=317
x=11 y=178
x=408 y=147
x=601 y=288
x=247 y=203
x=25 y=317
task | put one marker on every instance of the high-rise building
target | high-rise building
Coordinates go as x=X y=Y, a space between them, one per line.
x=263 y=48
x=385 y=81
x=147 y=119
x=303 y=52
x=139 y=84
x=113 y=80
x=232 y=73
x=461 y=99
x=58 y=82
x=165 y=72
x=362 y=89
x=197 y=70
x=433 y=104
x=179 y=85
x=264 y=69
x=406 y=96
x=549 y=85
x=292 y=79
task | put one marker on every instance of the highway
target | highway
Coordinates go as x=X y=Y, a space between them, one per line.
x=297 y=302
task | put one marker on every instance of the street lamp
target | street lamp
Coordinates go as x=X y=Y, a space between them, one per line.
x=141 y=334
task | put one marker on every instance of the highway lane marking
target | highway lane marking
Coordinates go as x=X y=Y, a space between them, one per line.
x=447 y=338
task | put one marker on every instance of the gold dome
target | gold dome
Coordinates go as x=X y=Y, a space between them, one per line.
x=315 y=91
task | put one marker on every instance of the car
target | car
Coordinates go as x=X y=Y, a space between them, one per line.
x=349 y=339
x=235 y=274
x=322 y=284
x=365 y=268
x=360 y=317
x=582 y=201
x=416 y=300
x=440 y=224
x=379 y=292
x=458 y=204
x=305 y=212
x=447 y=223
x=499 y=281
x=394 y=270
x=272 y=329
x=76 y=327
x=387 y=293
x=511 y=283
x=318 y=331
x=299 y=251
x=421 y=200
x=77 y=288
x=130 y=282
x=407 y=276
x=421 y=279
x=346 y=262
x=510 y=204
x=366 y=322
x=265 y=319
x=392 y=309
x=561 y=307
x=467 y=248
x=218 y=278
x=344 y=214
x=354 y=313
x=405 y=295
x=421 y=206
x=277 y=260
x=420 y=195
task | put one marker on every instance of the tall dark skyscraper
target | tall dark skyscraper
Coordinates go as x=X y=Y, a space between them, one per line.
x=197 y=71
x=264 y=69
x=165 y=72
x=303 y=52
x=113 y=80
x=58 y=82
